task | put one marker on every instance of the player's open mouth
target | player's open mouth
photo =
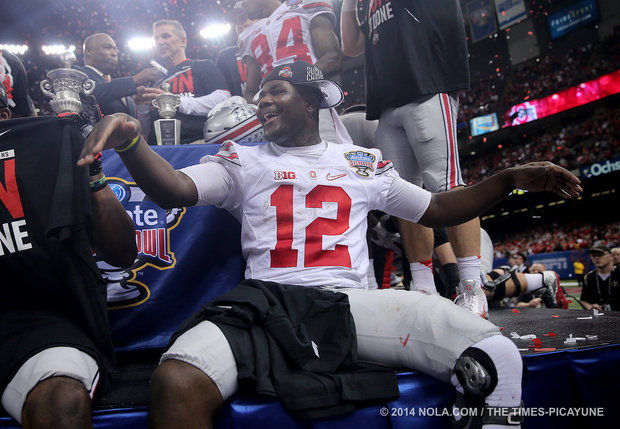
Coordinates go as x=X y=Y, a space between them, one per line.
x=269 y=117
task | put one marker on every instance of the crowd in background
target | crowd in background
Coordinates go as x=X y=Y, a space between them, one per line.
x=592 y=139
x=554 y=237
x=539 y=77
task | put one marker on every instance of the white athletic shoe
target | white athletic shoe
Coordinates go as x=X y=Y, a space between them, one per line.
x=471 y=297
x=552 y=283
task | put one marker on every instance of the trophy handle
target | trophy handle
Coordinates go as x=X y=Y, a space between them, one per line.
x=154 y=104
x=46 y=88
x=88 y=86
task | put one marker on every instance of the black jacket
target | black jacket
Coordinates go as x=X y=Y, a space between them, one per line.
x=297 y=343
x=113 y=96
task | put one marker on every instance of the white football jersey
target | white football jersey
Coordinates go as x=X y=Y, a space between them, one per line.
x=284 y=36
x=303 y=220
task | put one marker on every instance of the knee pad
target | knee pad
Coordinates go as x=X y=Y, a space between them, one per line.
x=497 y=285
x=476 y=373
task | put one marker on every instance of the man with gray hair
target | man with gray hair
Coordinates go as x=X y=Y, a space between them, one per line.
x=199 y=82
x=113 y=95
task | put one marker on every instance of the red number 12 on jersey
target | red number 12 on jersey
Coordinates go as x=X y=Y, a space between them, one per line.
x=284 y=256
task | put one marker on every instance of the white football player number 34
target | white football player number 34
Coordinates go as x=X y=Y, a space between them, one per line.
x=298 y=50
x=284 y=256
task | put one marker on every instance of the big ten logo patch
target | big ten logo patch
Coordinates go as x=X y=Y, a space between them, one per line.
x=153 y=225
x=13 y=234
x=283 y=175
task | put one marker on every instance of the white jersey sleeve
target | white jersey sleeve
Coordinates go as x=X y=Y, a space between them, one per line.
x=396 y=196
x=319 y=7
x=244 y=41
x=218 y=178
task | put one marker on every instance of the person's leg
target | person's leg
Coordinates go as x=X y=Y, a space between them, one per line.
x=195 y=376
x=417 y=240
x=58 y=402
x=447 y=260
x=182 y=396
x=53 y=389
x=431 y=334
x=502 y=283
x=432 y=133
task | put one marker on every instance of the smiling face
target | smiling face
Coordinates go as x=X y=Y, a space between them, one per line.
x=169 y=44
x=285 y=113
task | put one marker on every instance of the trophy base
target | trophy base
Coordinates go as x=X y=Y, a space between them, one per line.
x=168 y=132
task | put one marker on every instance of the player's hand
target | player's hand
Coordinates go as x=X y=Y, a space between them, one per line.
x=546 y=176
x=534 y=303
x=113 y=131
x=149 y=74
x=145 y=95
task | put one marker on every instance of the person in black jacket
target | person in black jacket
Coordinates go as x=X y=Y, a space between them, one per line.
x=55 y=340
x=199 y=83
x=113 y=94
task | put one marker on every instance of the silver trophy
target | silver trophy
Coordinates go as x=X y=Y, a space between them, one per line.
x=64 y=85
x=168 y=129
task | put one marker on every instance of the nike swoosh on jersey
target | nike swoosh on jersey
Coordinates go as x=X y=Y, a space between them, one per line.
x=4 y=132
x=337 y=176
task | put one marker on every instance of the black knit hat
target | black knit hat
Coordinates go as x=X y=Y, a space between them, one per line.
x=303 y=73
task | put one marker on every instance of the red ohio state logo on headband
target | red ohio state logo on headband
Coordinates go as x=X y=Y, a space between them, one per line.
x=285 y=72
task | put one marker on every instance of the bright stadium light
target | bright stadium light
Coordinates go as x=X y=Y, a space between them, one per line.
x=57 y=49
x=141 y=43
x=215 y=30
x=14 y=49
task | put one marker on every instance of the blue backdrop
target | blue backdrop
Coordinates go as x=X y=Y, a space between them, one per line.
x=186 y=257
x=561 y=262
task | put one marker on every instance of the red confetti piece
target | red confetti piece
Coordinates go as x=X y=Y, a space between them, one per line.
x=501 y=328
x=555 y=315
x=549 y=334
x=545 y=349
x=537 y=342
x=514 y=310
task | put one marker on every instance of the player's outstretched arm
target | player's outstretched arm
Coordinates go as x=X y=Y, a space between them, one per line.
x=114 y=234
x=252 y=82
x=155 y=176
x=326 y=46
x=350 y=32
x=462 y=204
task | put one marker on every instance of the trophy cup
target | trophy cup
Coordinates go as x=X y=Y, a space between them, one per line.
x=168 y=129
x=64 y=85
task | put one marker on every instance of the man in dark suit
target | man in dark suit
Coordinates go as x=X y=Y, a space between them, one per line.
x=113 y=95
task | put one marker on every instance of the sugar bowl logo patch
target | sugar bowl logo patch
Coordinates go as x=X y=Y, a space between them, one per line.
x=153 y=225
x=361 y=161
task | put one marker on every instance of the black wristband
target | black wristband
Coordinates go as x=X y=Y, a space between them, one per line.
x=96 y=167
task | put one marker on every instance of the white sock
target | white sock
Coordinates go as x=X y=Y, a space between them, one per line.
x=534 y=282
x=422 y=276
x=509 y=366
x=372 y=280
x=469 y=268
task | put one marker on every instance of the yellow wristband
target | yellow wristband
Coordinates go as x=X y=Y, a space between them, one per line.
x=129 y=145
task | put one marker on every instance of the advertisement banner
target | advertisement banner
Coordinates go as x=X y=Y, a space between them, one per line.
x=575 y=16
x=579 y=95
x=600 y=168
x=186 y=257
x=481 y=20
x=484 y=124
x=509 y=12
